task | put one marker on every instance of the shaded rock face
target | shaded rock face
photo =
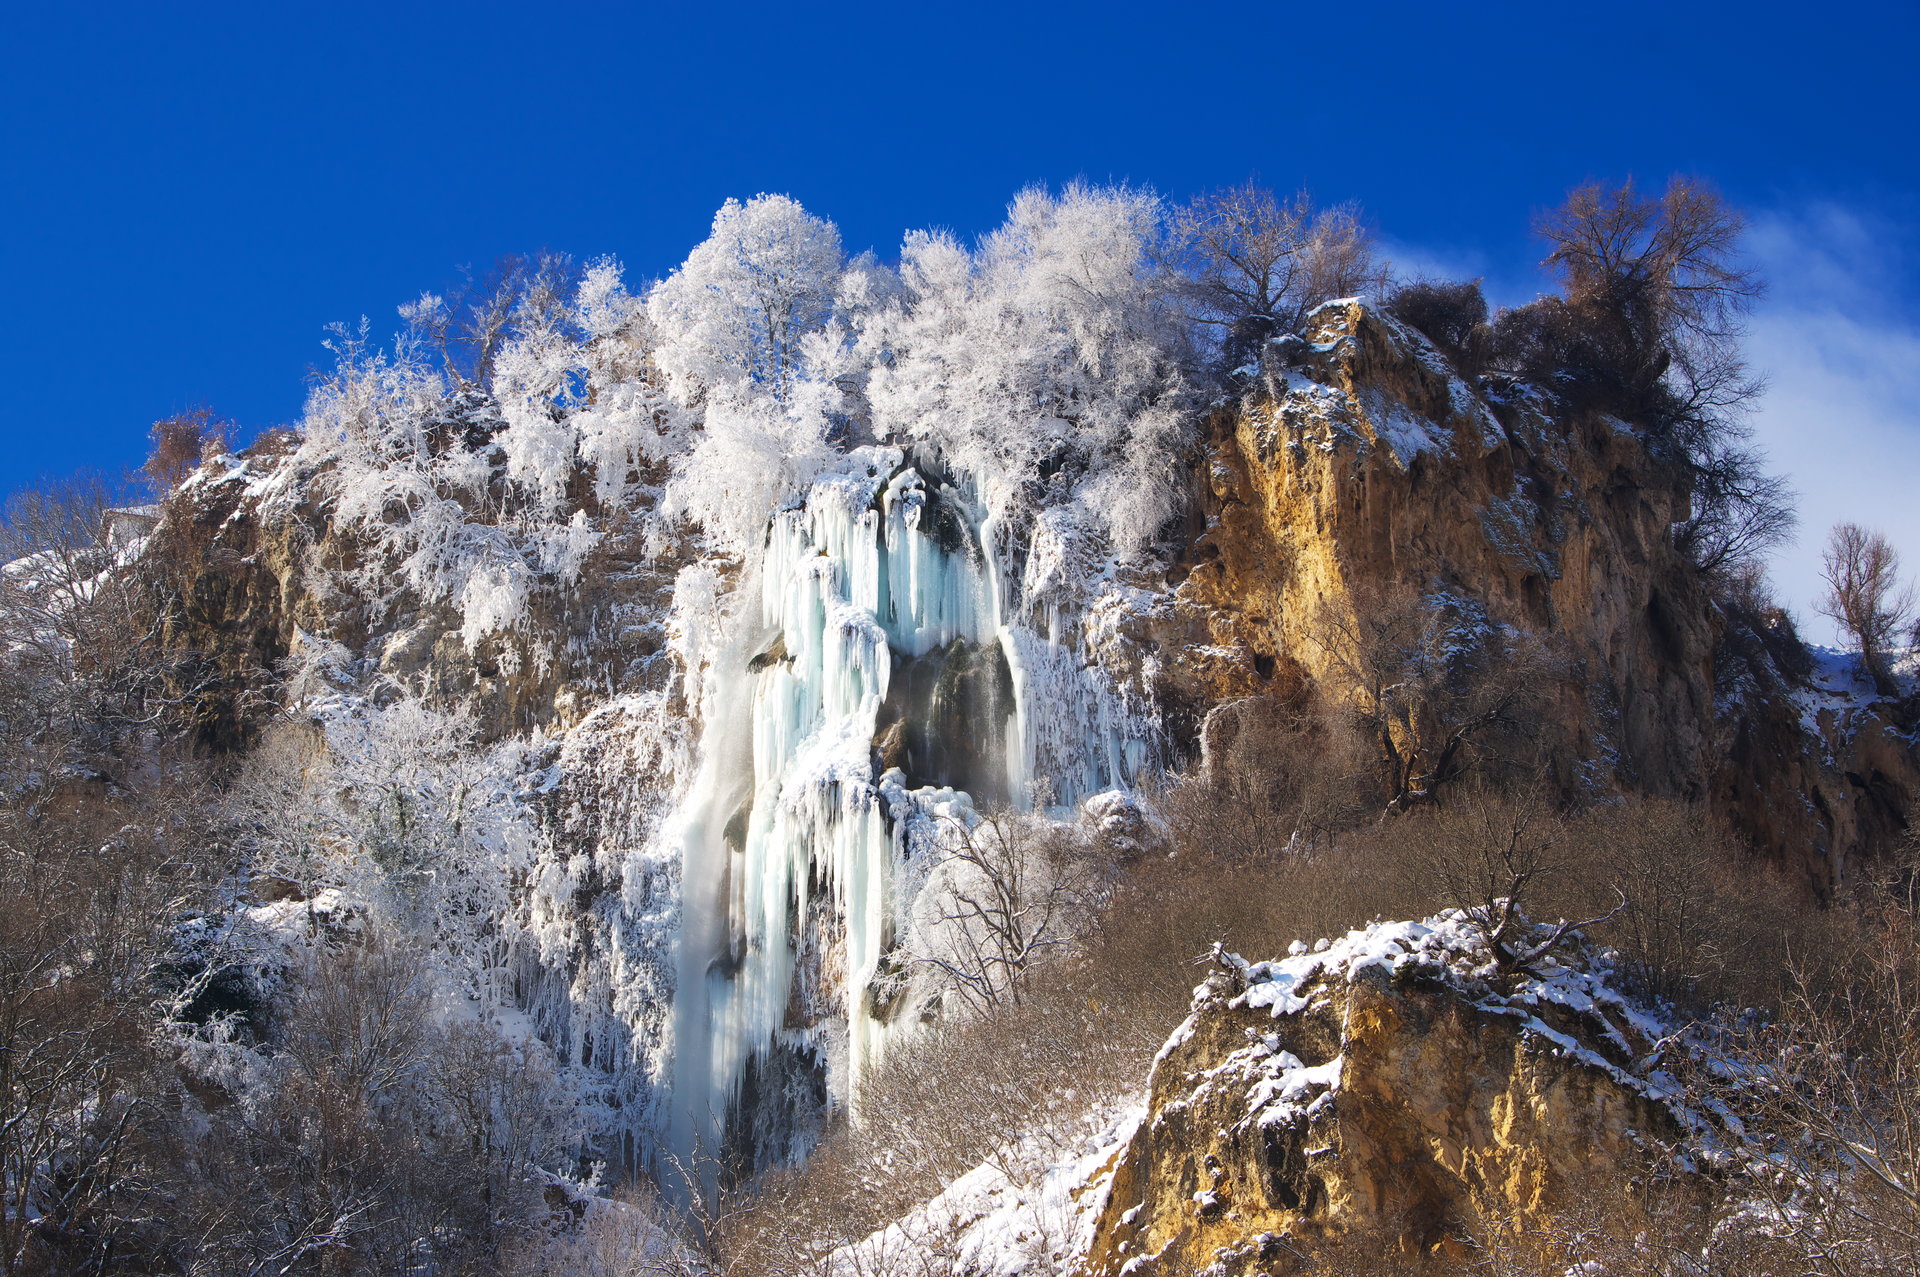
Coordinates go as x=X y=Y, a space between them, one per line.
x=945 y=719
x=256 y=568
x=1825 y=800
x=1813 y=767
x=1381 y=1095
x=232 y=585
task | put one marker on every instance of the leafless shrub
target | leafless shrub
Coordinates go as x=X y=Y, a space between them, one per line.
x=384 y=1136
x=84 y=658
x=89 y=882
x=1488 y=856
x=1747 y=597
x=1452 y=314
x=1829 y=1091
x=1699 y=921
x=1011 y=891
x=1696 y=921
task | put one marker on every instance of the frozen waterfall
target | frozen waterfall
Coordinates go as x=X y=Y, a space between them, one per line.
x=894 y=670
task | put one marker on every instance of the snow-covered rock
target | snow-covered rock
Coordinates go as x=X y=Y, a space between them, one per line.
x=1395 y=1079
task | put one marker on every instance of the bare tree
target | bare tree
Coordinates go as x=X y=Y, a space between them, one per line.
x=1255 y=264
x=379 y=1134
x=1663 y=279
x=87 y=889
x=1009 y=892
x=1337 y=259
x=1432 y=682
x=1649 y=328
x=83 y=617
x=1865 y=595
x=1742 y=513
x=1489 y=856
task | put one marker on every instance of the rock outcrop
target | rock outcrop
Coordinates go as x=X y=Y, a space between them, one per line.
x=1393 y=1082
x=1814 y=767
x=1363 y=473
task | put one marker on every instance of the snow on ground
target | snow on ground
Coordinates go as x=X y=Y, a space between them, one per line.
x=1840 y=687
x=1028 y=1210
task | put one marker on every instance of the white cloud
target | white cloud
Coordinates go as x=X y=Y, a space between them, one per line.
x=1841 y=417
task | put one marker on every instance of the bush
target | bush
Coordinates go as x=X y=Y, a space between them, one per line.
x=1452 y=315
x=182 y=441
x=1573 y=351
x=1279 y=771
x=1696 y=920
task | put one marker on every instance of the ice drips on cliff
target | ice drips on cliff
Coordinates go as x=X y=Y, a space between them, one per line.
x=900 y=667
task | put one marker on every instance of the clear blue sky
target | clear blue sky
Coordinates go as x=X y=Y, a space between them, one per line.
x=190 y=193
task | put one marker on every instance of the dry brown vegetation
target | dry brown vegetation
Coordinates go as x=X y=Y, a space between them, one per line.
x=181 y=442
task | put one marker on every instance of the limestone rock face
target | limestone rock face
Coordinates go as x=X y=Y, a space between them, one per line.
x=1391 y=1083
x=1364 y=468
x=261 y=570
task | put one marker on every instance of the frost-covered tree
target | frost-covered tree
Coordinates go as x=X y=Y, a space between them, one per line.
x=406 y=462
x=1010 y=891
x=743 y=333
x=1047 y=362
x=576 y=387
x=627 y=423
x=738 y=309
x=473 y=322
x=397 y=807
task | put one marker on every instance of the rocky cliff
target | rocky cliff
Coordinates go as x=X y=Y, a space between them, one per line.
x=1486 y=582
